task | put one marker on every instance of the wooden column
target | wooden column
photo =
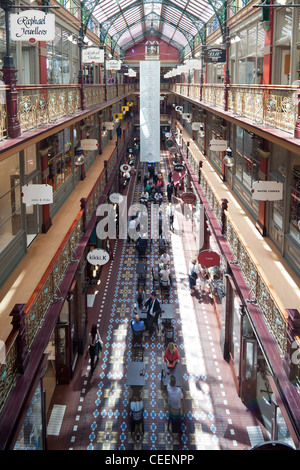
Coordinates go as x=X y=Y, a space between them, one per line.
x=18 y=322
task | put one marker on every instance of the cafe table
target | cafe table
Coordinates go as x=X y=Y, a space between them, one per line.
x=176 y=371
x=136 y=374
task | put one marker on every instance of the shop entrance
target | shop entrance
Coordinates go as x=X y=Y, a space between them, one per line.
x=249 y=372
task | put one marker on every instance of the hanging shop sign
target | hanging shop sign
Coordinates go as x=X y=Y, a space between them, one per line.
x=109 y=125
x=118 y=116
x=124 y=168
x=113 y=64
x=98 y=257
x=92 y=55
x=179 y=167
x=218 y=145
x=267 y=191
x=215 y=55
x=188 y=198
x=208 y=258
x=37 y=194
x=196 y=126
x=125 y=108
x=116 y=198
x=89 y=144
x=32 y=26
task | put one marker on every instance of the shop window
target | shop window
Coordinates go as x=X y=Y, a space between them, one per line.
x=294 y=222
x=10 y=200
x=31 y=434
x=247 y=164
x=59 y=158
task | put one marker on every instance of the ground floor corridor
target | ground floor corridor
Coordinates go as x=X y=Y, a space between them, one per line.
x=93 y=411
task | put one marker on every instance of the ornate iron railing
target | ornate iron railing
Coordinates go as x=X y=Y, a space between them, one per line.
x=274 y=313
x=271 y=105
x=48 y=288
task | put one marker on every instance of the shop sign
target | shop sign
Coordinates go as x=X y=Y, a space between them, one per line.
x=218 y=145
x=113 y=64
x=188 y=198
x=92 y=55
x=116 y=198
x=196 y=126
x=208 y=258
x=32 y=26
x=118 y=116
x=98 y=257
x=215 y=55
x=109 y=125
x=267 y=191
x=178 y=167
x=124 y=168
x=37 y=194
x=89 y=144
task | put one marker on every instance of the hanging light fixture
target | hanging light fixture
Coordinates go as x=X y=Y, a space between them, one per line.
x=79 y=158
x=229 y=159
x=104 y=131
x=201 y=131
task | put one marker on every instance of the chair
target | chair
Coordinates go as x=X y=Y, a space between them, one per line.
x=155 y=279
x=137 y=420
x=164 y=289
x=137 y=336
x=175 y=419
x=169 y=334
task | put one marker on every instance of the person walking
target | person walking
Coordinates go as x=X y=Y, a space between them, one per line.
x=94 y=346
x=152 y=305
x=193 y=274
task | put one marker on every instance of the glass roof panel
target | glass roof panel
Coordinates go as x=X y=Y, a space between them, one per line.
x=171 y=17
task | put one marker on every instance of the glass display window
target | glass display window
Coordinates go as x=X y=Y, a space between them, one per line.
x=59 y=158
x=247 y=158
x=10 y=200
x=294 y=222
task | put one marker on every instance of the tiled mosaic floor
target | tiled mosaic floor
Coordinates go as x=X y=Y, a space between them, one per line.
x=97 y=415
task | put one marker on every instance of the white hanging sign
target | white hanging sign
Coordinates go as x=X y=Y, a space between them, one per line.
x=218 y=145
x=196 y=126
x=92 y=55
x=113 y=64
x=116 y=198
x=109 y=125
x=89 y=144
x=37 y=194
x=267 y=191
x=32 y=26
x=97 y=257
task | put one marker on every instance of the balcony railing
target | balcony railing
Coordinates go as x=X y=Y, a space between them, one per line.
x=45 y=104
x=271 y=105
x=44 y=294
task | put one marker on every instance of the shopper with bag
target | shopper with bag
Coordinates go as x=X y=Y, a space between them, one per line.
x=95 y=345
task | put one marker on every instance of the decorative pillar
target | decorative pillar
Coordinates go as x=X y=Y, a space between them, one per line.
x=83 y=206
x=18 y=323
x=47 y=222
x=227 y=76
x=262 y=205
x=224 y=208
x=292 y=357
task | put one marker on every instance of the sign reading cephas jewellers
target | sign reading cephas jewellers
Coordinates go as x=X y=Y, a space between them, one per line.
x=32 y=25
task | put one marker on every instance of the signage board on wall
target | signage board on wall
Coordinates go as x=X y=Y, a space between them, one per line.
x=267 y=191
x=37 y=194
x=32 y=26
